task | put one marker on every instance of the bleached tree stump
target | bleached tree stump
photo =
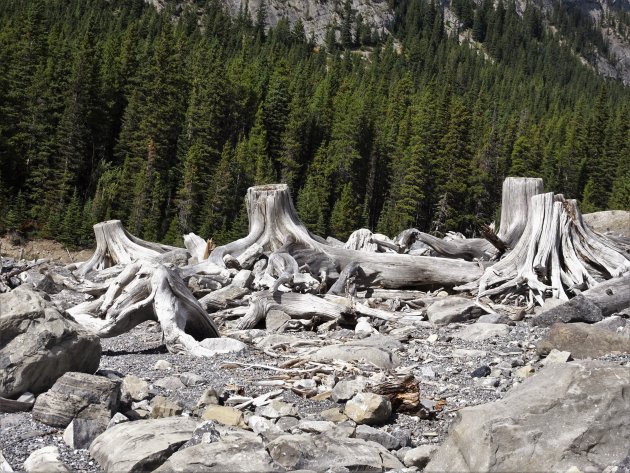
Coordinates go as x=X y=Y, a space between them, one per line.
x=114 y=245
x=273 y=221
x=150 y=291
x=517 y=194
x=555 y=254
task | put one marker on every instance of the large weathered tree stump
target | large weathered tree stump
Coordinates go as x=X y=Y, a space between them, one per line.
x=273 y=222
x=557 y=255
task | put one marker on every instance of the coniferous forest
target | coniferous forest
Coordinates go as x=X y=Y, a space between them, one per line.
x=111 y=109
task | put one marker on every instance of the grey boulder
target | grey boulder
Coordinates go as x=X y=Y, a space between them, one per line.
x=247 y=454
x=72 y=394
x=582 y=341
x=38 y=344
x=453 y=309
x=322 y=453
x=142 y=445
x=568 y=415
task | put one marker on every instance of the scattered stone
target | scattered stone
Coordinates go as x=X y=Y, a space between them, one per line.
x=493 y=319
x=363 y=328
x=432 y=338
x=578 y=309
x=333 y=415
x=276 y=409
x=4 y=465
x=535 y=426
x=224 y=345
x=45 y=460
x=305 y=384
x=191 y=379
x=287 y=423
x=615 y=324
x=264 y=427
x=27 y=397
x=117 y=419
x=315 y=426
x=38 y=344
x=379 y=356
x=368 y=408
x=482 y=331
x=347 y=388
x=170 y=383
x=524 y=371
x=247 y=454
x=206 y=432
x=89 y=424
x=419 y=456
x=582 y=341
x=453 y=309
x=276 y=320
x=556 y=356
x=207 y=398
x=141 y=445
x=164 y=407
x=133 y=388
x=224 y=415
x=162 y=365
x=387 y=440
x=468 y=353
x=481 y=372
x=71 y=394
x=325 y=453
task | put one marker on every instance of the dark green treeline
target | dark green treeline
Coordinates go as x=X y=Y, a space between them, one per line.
x=113 y=110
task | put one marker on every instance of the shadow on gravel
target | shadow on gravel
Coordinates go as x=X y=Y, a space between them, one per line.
x=147 y=351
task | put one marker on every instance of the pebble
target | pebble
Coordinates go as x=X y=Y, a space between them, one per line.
x=481 y=372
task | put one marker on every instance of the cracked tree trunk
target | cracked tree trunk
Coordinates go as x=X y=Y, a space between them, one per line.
x=273 y=222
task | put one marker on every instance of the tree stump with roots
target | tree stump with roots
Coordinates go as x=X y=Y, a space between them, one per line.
x=557 y=255
x=274 y=224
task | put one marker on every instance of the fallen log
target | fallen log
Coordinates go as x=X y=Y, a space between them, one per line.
x=273 y=221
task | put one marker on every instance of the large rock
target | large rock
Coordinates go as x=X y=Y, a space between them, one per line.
x=322 y=453
x=614 y=222
x=142 y=445
x=578 y=309
x=45 y=460
x=369 y=408
x=453 y=309
x=38 y=344
x=89 y=424
x=246 y=454
x=568 y=415
x=72 y=394
x=582 y=341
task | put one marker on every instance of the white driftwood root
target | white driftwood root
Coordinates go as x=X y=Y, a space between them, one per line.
x=150 y=291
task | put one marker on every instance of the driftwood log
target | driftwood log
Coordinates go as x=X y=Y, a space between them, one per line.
x=516 y=197
x=273 y=221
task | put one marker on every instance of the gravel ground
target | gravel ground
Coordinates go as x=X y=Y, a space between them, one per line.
x=443 y=377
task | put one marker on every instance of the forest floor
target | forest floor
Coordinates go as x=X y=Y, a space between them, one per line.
x=42 y=249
